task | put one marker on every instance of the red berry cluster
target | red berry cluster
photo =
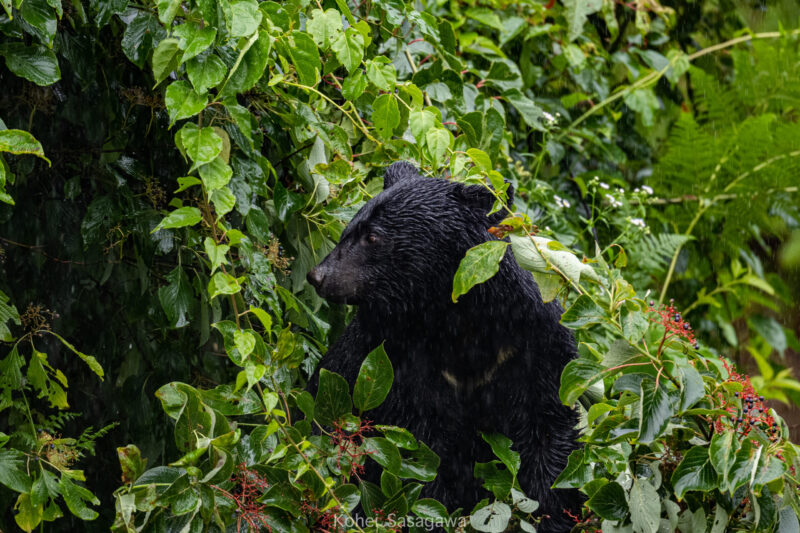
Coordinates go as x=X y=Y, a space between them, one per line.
x=349 y=446
x=747 y=412
x=248 y=487
x=327 y=521
x=387 y=522
x=588 y=524
x=673 y=322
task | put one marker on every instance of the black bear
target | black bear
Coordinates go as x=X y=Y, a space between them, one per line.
x=489 y=363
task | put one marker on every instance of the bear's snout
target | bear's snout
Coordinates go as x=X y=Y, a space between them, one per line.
x=315 y=277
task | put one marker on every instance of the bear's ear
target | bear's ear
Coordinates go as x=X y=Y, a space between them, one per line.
x=481 y=199
x=398 y=172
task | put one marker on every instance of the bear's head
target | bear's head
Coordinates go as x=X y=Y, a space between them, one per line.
x=404 y=246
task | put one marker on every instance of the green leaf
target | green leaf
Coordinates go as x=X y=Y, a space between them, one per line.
x=35 y=63
x=539 y=254
x=383 y=452
x=374 y=380
x=194 y=39
x=577 y=12
x=609 y=502
x=245 y=342
x=20 y=142
x=438 y=141
x=480 y=264
x=582 y=313
x=385 y=115
x=692 y=387
x=353 y=85
x=28 y=514
x=492 y=519
x=142 y=33
x=215 y=174
x=223 y=200
x=655 y=410
x=216 y=253
x=167 y=9
x=41 y=19
x=202 y=145
x=205 y=71
x=695 y=472
x=324 y=26
x=381 y=73
x=12 y=471
x=523 y=503
x=305 y=57
x=645 y=103
x=722 y=453
x=250 y=65
x=576 y=474
x=333 y=398
x=222 y=283
x=501 y=447
x=430 y=509
x=530 y=112
x=166 y=58
x=645 y=506
x=741 y=469
x=420 y=464
x=578 y=375
x=76 y=497
x=421 y=121
x=245 y=18
x=182 y=102
x=181 y=217
x=349 y=49
x=176 y=298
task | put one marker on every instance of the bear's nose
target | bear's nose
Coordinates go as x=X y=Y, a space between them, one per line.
x=315 y=277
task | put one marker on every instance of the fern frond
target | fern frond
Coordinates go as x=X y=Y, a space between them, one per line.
x=654 y=252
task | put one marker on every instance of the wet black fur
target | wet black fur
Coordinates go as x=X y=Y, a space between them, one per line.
x=396 y=261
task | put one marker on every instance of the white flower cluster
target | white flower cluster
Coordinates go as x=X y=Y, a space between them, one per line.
x=613 y=201
x=644 y=188
x=639 y=222
x=549 y=118
x=560 y=202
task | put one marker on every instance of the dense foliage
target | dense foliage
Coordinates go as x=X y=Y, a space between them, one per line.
x=172 y=170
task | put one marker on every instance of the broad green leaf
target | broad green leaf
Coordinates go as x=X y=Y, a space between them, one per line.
x=20 y=142
x=385 y=115
x=216 y=253
x=194 y=39
x=381 y=73
x=692 y=387
x=577 y=12
x=41 y=19
x=480 y=264
x=166 y=58
x=493 y=518
x=12 y=471
x=76 y=497
x=28 y=514
x=245 y=342
x=655 y=410
x=349 y=49
x=324 y=26
x=645 y=103
x=35 y=63
x=609 y=502
x=419 y=464
x=167 y=9
x=576 y=474
x=383 y=452
x=695 y=472
x=353 y=85
x=249 y=66
x=539 y=254
x=176 y=298
x=429 y=508
x=578 y=375
x=205 y=71
x=141 y=35
x=333 y=398
x=530 y=112
x=305 y=57
x=481 y=159
x=582 y=313
x=438 y=141
x=374 y=380
x=245 y=18
x=501 y=447
x=645 y=506
x=181 y=217
x=222 y=283
x=421 y=121
x=215 y=174
x=202 y=145
x=223 y=200
x=523 y=503
x=182 y=101
x=742 y=468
